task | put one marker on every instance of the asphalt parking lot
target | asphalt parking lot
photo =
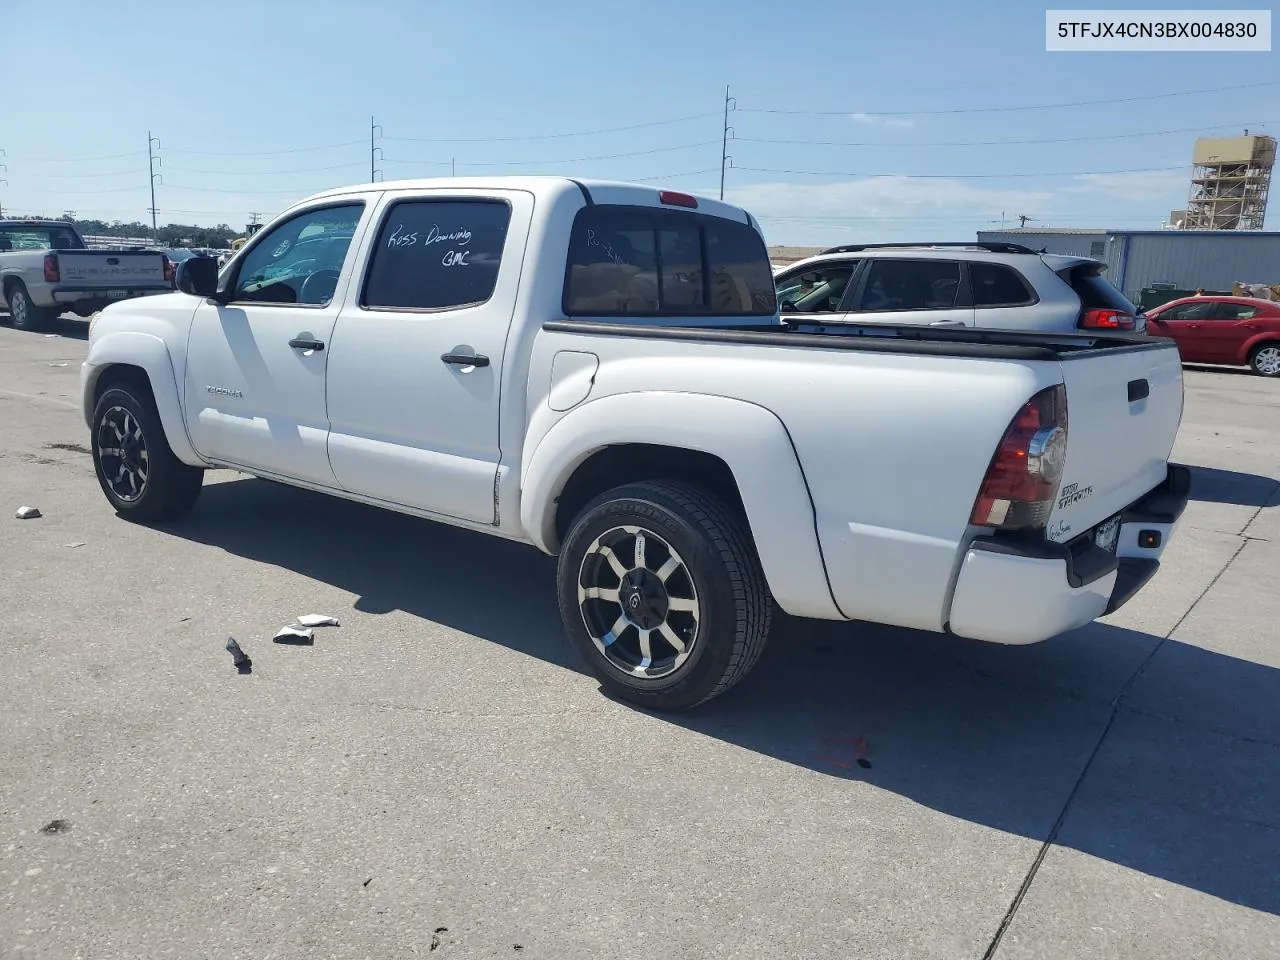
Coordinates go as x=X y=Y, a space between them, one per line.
x=437 y=777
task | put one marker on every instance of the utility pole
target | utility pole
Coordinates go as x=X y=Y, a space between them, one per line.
x=152 y=162
x=730 y=103
x=3 y=182
x=453 y=167
x=1023 y=218
x=375 y=152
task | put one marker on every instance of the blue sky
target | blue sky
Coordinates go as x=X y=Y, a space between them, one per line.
x=258 y=104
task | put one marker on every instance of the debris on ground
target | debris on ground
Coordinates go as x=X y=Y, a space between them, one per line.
x=57 y=364
x=316 y=620
x=56 y=826
x=27 y=513
x=238 y=656
x=294 y=634
x=78 y=543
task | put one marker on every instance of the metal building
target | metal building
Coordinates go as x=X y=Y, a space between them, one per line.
x=1230 y=180
x=1185 y=259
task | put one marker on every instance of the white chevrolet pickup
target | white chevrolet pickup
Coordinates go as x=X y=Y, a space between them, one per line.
x=599 y=370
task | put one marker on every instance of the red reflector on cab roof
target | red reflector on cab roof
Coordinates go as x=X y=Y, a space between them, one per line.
x=674 y=199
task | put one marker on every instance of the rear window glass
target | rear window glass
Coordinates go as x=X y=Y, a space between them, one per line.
x=1095 y=291
x=642 y=261
x=38 y=237
x=437 y=254
x=995 y=285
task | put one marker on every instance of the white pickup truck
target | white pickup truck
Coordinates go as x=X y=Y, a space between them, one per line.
x=46 y=270
x=599 y=370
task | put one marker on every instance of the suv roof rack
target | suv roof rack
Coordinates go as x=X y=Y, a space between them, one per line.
x=989 y=246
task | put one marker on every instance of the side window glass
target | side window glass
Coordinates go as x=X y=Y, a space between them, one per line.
x=300 y=260
x=995 y=285
x=1189 y=311
x=911 y=285
x=815 y=290
x=437 y=254
x=1235 y=311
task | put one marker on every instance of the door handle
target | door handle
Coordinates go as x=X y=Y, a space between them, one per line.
x=1252 y=326
x=466 y=359
x=298 y=343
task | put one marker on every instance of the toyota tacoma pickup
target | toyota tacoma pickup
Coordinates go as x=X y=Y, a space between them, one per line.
x=599 y=370
x=46 y=270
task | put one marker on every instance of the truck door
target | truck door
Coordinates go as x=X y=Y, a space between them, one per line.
x=416 y=369
x=255 y=383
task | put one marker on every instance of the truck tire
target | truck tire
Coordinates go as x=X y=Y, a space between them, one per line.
x=1265 y=359
x=23 y=314
x=136 y=468
x=661 y=592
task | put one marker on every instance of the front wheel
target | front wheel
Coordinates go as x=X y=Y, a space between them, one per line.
x=136 y=469
x=23 y=314
x=661 y=592
x=1265 y=360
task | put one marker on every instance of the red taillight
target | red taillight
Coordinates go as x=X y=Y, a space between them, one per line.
x=1107 y=320
x=671 y=198
x=51 y=274
x=1022 y=481
x=169 y=270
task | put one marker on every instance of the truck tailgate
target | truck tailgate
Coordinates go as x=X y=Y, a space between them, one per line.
x=1123 y=410
x=110 y=268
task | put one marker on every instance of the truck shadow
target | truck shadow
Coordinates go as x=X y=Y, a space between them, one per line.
x=1211 y=485
x=1185 y=786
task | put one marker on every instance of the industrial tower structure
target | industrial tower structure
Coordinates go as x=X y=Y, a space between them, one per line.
x=1229 y=183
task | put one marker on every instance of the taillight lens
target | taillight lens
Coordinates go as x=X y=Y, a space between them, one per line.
x=1022 y=481
x=169 y=270
x=1107 y=320
x=51 y=274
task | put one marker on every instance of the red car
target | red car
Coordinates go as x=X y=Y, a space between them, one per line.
x=1232 y=330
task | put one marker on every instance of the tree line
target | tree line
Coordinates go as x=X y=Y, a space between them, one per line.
x=168 y=235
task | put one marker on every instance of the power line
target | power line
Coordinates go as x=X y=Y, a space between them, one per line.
x=1001 y=143
x=959 y=176
x=270 y=153
x=536 y=163
x=556 y=136
x=1038 y=106
x=136 y=171
x=263 y=173
x=112 y=156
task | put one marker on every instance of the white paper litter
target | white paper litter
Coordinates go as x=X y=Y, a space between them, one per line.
x=27 y=513
x=292 y=631
x=316 y=620
x=78 y=543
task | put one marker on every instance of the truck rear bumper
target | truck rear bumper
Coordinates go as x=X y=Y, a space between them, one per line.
x=1013 y=592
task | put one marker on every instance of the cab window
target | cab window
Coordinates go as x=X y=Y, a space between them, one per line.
x=298 y=261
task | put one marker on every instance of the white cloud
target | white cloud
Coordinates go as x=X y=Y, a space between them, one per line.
x=1140 y=185
x=878 y=120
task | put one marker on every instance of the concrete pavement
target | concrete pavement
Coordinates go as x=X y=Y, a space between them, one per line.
x=438 y=777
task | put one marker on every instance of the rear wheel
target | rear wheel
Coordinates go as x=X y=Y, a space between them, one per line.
x=1265 y=359
x=136 y=469
x=23 y=314
x=662 y=594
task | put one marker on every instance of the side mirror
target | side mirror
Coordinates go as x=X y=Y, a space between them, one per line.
x=198 y=276
x=786 y=306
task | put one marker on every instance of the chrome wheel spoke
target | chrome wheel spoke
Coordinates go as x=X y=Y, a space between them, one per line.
x=683 y=605
x=673 y=638
x=613 y=561
x=667 y=569
x=598 y=593
x=615 y=631
x=646 y=651
x=110 y=452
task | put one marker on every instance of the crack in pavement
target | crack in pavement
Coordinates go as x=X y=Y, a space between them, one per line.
x=1117 y=704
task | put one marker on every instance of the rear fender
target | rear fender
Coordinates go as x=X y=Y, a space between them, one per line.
x=750 y=439
x=149 y=353
x=1249 y=347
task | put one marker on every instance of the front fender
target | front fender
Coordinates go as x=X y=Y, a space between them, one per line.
x=750 y=439
x=148 y=352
